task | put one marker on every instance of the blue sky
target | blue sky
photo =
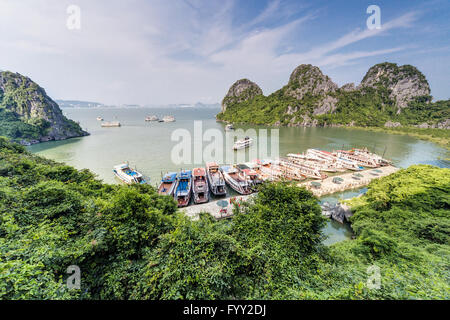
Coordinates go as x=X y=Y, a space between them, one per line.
x=184 y=51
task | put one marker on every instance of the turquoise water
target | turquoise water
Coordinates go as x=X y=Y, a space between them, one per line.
x=147 y=146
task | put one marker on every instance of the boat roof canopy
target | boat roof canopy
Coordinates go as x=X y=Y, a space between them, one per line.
x=170 y=176
x=199 y=172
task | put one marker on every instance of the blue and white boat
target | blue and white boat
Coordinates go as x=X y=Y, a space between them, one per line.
x=168 y=183
x=128 y=175
x=183 y=189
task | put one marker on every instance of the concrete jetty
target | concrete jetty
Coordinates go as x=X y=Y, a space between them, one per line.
x=327 y=187
x=213 y=208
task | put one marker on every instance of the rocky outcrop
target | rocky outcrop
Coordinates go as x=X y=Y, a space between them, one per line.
x=405 y=82
x=309 y=79
x=348 y=87
x=338 y=212
x=241 y=90
x=31 y=105
x=390 y=124
x=441 y=125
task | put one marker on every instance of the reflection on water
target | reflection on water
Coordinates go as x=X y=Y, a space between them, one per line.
x=147 y=146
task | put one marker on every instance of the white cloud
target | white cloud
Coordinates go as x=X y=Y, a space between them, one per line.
x=153 y=52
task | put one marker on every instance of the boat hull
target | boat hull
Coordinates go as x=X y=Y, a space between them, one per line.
x=232 y=183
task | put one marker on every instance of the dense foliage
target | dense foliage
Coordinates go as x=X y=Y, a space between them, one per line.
x=131 y=243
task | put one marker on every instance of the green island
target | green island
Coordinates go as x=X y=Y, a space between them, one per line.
x=28 y=115
x=390 y=98
x=131 y=243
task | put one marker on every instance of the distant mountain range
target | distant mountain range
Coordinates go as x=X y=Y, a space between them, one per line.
x=77 y=104
x=90 y=104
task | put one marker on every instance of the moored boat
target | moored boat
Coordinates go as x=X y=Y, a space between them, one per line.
x=215 y=179
x=251 y=175
x=229 y=127
x=110 y=124
x=200 y=188
x=183 y=188
x=358 y=158
x=128 y=175
x=301 y=170
x=235 y=180
x=168 y=183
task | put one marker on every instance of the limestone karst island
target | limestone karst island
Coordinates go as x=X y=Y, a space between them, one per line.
x=230 y=155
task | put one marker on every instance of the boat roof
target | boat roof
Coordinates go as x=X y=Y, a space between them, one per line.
x=251 y=164
x=199 y=172
x=249 y=172
x=185 y=174
x=169 y=177
x=226 y=168
x=122 y=166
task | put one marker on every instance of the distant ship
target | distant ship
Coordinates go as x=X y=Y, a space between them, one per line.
x=242 y=144
x=168 y=119
x=151 y=118
x=99 y=118
x=111 y=124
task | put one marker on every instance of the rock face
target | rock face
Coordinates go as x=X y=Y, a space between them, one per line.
x=241 y=90
x=406 y=82
x=348 y=87
x=309 y=79
x=31 y=105
x=338 y=212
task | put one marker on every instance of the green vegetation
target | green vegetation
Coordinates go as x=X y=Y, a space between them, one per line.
x=438 y=136
x=131 y=243
x=12 y=126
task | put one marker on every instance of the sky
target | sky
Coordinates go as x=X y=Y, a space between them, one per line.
x=155 y=52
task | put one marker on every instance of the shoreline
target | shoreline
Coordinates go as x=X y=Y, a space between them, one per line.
x=443 y=142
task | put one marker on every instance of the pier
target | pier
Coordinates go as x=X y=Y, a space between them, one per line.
x=327 y=186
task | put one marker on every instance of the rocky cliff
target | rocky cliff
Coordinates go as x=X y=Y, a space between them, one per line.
x=241 y=90
x=405 y=82
x=388 y=94
x=29 y=115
